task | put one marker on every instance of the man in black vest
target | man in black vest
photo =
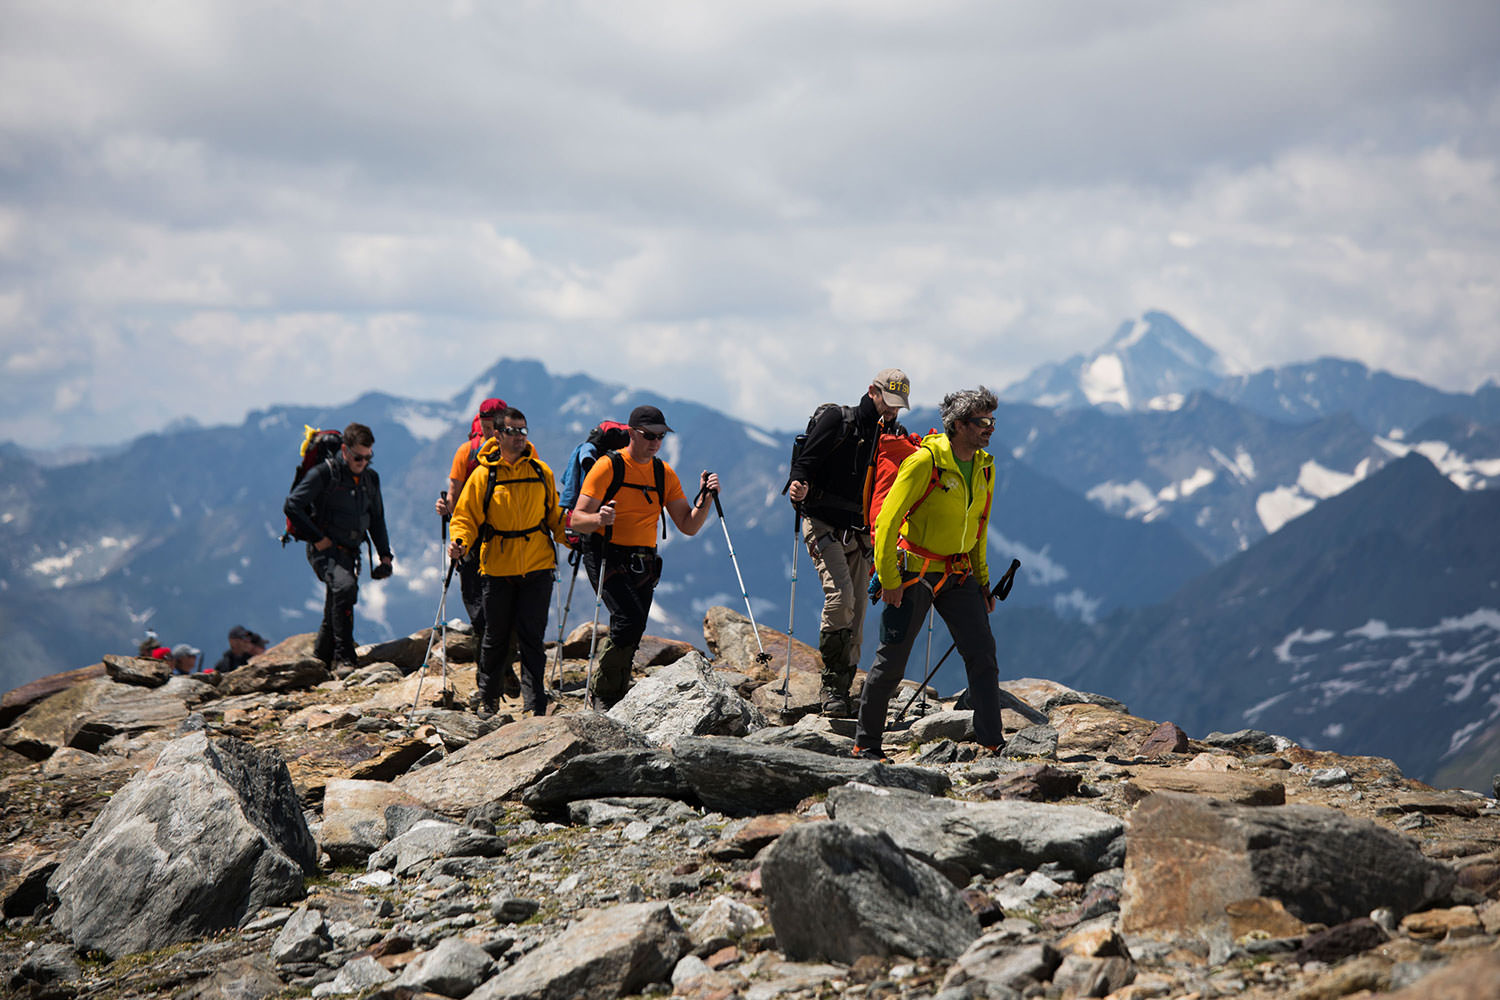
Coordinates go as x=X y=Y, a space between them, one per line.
x=827 y=485
x=338 y=505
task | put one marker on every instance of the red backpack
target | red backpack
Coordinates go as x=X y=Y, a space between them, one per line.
x=476 y=436
x=890 y=451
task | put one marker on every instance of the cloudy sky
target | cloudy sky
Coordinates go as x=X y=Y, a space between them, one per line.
x=753 y=205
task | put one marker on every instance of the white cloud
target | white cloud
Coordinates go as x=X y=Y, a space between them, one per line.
x=736 y=192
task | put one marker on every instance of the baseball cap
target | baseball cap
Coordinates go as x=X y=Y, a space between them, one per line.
x=240 y=632
x=183 y=649
x=492 y=407
x=894 y=386
x=649 y=418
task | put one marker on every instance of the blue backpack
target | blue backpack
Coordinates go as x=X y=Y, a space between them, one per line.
x=608 y=436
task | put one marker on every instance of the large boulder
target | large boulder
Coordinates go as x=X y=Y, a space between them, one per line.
x=287 y=666
x=835 y=893
x=732 y=641
x=1193 y=860
x=990 y=838
x=353 y=825
x=605 y=953
x=686 y=698
x=212 y=832
x=18 y=700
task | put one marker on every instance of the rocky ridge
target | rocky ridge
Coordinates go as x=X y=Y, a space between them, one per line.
x=280 y=832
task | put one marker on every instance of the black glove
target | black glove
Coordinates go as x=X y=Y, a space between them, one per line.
x=380 y=571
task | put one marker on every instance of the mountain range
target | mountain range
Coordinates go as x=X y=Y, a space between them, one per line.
x=1308 y=550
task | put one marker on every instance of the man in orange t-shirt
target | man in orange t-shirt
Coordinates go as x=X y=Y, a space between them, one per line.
x=624 y=509
x=470 y=582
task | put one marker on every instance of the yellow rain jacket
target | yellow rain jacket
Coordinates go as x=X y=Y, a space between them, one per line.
x=947 y=523
x=524 y=519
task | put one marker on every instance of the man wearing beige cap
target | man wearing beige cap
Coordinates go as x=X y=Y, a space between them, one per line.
x=827 y=486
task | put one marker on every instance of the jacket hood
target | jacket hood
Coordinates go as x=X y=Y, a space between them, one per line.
x=489 y=454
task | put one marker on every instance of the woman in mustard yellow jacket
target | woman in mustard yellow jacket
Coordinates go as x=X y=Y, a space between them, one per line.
x=509 y=508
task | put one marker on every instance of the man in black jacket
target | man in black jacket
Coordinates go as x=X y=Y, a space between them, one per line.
x=827 y=485
x=337 y=504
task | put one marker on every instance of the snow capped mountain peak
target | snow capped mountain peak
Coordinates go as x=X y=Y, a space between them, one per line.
x=1150 y=363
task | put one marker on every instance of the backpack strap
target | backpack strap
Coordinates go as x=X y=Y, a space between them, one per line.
x=617 y=481
x=488 y=531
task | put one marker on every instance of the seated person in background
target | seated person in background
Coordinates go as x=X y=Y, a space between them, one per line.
x=184 y=658
x=243 y=644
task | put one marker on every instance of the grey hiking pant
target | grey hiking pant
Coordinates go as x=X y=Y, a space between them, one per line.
x=963 y=609
x=843 y=559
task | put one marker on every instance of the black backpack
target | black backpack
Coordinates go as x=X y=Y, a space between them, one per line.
x=848 y=414
x=317 y=446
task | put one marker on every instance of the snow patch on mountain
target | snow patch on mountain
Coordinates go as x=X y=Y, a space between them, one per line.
x=424 y=425
x=1169 y=402
x=761 y=437
x=1455 y=662
x=1464 y=472
x=1037 y=566
x=1102 y=380
x=83 y=563
x=1314 y=483
x=1132 y=500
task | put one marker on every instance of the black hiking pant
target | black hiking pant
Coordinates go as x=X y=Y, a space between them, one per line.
x=963 y=609
x=516 y=606
x=338 y=569
x=627 y=578
x=471 y=586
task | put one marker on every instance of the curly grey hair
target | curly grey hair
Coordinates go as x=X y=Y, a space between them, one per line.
x=965 y=403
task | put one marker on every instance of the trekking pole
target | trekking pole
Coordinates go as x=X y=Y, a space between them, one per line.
x=1000 y=591
x=791 y=614
x=927 y=664
x=437 y=622
x=588 y=675
x=575 y=557
x=762 y=656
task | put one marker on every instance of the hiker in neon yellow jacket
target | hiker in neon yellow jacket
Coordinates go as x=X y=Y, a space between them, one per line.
x=933 y=555
x=509 y=508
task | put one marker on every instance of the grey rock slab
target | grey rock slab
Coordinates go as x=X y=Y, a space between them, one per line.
x=51 y=963
x=1033 y=741
x=602 y=812
x=605 y=953
x=251 y=978
x=303 y=938
x=429 y=840
x=738 y=778
x=811 y=732
x=989 y=838
x=956 y=726
x=454 y=968
x=210 y=834
x=501 y=764
x=834 y=893
x=686 y=698
x=726 y=920
x=997 y=960
x=361 y=974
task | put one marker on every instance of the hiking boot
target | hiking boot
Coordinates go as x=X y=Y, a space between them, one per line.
x=869 y=753
x=343 y=668
x=510 y=684
x=482 y=706
x=837 y=706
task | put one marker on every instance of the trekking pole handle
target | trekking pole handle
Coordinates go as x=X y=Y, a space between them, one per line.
x=1001 y=590
x=713 y=493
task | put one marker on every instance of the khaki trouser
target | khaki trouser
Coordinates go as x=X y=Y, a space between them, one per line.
x=843 y=560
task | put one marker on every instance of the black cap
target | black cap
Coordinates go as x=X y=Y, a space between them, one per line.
x=649 y=418
x=240 y=632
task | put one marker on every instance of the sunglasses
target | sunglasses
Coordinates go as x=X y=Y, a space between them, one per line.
x=515 y=431
x=650 y=436
x=355 y=456
x=988 y=423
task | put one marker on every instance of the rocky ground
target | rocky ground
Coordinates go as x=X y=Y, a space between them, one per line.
x=708 y=838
